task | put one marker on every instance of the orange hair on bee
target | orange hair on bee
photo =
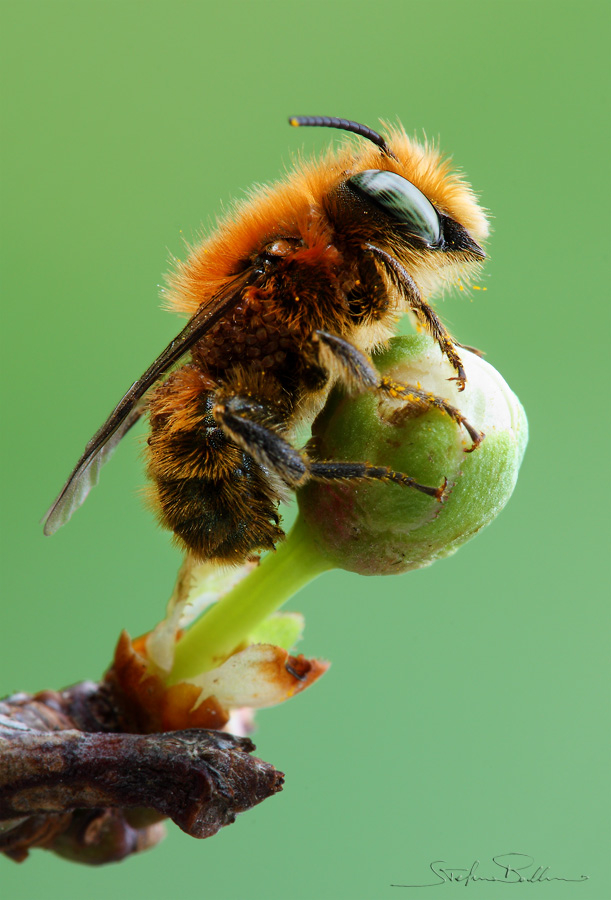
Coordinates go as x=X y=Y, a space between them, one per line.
x=291 y=207
x=289 y=296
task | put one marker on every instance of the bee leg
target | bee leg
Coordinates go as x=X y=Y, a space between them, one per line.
x=423 y=312
x=260 y=441
x=294 y=467
x=418 y=401
x=361 y=373
x=350 y=471
x=358 y=370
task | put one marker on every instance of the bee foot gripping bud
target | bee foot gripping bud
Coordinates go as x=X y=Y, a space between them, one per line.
x=377 y=529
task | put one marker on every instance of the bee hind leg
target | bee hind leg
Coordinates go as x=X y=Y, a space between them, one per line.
x=242 y=423
x=294 y=467
x=361 y=374
x=350 y=471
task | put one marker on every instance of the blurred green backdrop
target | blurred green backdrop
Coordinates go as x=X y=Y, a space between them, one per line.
x=464 y=715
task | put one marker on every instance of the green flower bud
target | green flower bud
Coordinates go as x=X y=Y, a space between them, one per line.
x=366 y=526
x=376 y=528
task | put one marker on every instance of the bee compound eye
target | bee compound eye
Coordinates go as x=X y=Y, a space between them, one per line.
x=400 y=199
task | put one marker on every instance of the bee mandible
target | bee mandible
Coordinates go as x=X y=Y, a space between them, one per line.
x=289 y=296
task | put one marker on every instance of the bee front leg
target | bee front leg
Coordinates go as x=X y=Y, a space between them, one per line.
x=294 y=467
x=424 y=313
x=361 y=374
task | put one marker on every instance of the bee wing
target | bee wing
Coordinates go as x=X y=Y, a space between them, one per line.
x=133 y=405
x=86 y=473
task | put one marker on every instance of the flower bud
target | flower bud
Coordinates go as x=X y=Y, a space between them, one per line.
x=377 y=528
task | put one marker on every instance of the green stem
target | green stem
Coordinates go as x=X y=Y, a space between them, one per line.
x=231 y=620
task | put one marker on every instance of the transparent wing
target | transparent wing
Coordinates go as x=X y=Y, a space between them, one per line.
x=133 y=405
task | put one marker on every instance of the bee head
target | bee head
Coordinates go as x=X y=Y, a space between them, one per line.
x=407 y=201
x=398 y=211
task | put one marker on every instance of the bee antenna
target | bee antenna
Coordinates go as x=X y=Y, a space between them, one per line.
x=344 y=125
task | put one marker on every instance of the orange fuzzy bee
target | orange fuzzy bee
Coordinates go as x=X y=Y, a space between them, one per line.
x=287 y=298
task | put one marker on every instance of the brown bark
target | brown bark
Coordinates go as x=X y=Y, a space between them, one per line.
x=72 y=780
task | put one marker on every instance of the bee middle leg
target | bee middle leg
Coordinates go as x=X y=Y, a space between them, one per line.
x=294 y=467
x=361 y=373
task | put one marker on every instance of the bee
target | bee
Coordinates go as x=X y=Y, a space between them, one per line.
x=288 y=297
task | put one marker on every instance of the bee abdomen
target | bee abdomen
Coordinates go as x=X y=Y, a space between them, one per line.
x=210 y=518
x=214 y=497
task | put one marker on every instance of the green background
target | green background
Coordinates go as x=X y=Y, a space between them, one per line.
x=465 y=713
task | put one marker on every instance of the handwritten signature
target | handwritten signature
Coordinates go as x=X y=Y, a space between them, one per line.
x=514 y=868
